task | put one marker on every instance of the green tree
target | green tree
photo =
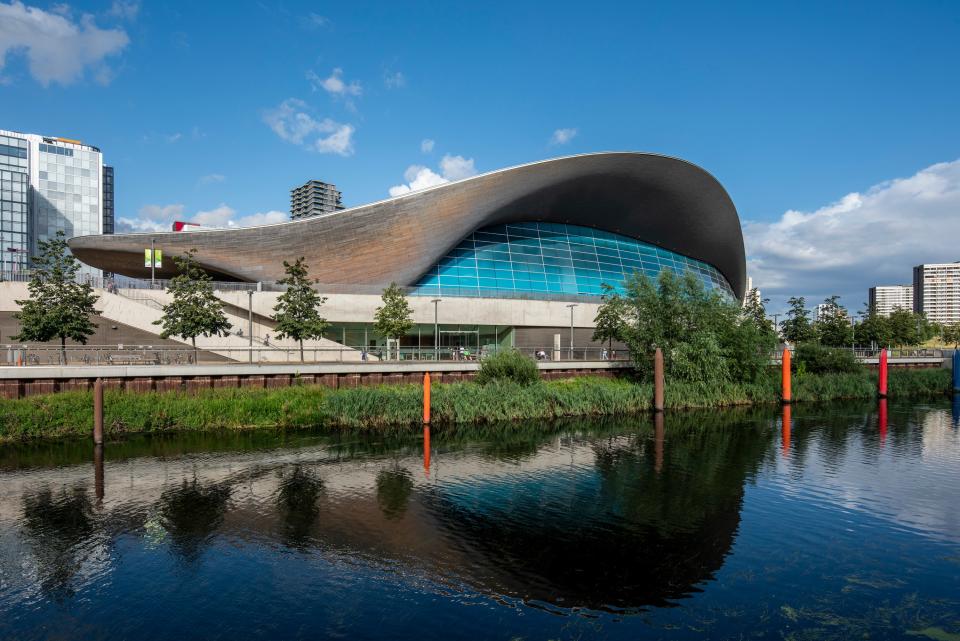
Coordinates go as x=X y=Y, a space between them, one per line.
x=611 y=322
x=194 y=310
x=755 y=309
x=297 y=309
x=904 y=327
x=833 y=327
x=797 y=327
x=59 y=306
x=393 y=318
x=951 y=334
x=704 y=337
x=873 y=329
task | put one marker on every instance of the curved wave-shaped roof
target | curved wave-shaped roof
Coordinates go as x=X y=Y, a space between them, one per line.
x=656 y=199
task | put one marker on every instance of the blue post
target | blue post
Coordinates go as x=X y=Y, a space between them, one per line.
x=956 y=371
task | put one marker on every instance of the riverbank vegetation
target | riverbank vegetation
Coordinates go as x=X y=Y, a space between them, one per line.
x=391 y=407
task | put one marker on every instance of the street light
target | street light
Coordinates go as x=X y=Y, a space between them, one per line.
x=436 y=329
x=571 y=306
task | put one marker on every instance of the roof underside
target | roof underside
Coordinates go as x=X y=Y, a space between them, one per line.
x=660 y=200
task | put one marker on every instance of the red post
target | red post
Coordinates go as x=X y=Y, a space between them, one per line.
x=882 y=420
x=785 y=376
x=426 y=398
x=882 y=381
x=98 y=412
x=658 y=380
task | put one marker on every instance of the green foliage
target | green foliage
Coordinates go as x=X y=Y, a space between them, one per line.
x=812 y=358
x=951 y=334
x=393 y=318
x=59 y=306
x=833 y=327
x=508 y=365
x=873 y=329
x=297 y=309
x=611 y=318
x=904 y=326
x=703 y=337
x=755 y=308
x=399 y=406
x=797 y=327
x=194 y=310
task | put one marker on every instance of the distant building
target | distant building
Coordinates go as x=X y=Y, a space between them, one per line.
x=47 y=185
x=885 y=299
x=822 y=311
x=936 y=291
x=108 y=210
x=314 y=198
x=755 y=297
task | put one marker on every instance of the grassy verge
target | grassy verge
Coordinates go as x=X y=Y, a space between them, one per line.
x=399 y=406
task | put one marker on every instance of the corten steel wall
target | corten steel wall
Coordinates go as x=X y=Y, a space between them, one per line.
x=656 y=199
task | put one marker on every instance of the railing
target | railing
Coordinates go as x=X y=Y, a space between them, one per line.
x=101 y=355
x=892 y=352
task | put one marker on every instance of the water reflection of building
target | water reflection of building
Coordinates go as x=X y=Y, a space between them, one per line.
x=559 y=520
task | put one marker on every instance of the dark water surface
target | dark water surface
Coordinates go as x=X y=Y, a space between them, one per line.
x=721 y=525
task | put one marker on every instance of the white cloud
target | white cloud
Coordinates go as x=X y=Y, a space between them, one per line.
x=861 y=240
x=315 y=20
x=562 y=136
x=57 y=49
x=426 y=145
x=419 y=177
x=157 y=218
x=394 y=80
x=151 y=218
x=174 y=137
x=209 y=179
x=334 y=84
x=124 y=10
x=292 y=121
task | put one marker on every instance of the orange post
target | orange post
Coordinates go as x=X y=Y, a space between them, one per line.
x=785 y=376
x=785 y=431
x=882 y=380
x=426 y=449
x=426 y=398
x=658 y=380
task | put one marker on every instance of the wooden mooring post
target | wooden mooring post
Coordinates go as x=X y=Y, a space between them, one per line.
x=658 y=380
x=98 y=412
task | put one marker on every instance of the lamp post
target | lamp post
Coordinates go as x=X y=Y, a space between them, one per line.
x=153 y=263
x=571 y=306
x=436 y=329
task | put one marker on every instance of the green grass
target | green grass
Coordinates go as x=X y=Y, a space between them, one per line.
x=391 y=407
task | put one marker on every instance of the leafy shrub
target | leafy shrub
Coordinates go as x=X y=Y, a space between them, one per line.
x=816 y=359
x=508 y=365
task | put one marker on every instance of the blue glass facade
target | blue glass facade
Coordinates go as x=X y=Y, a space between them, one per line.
x=548 y=259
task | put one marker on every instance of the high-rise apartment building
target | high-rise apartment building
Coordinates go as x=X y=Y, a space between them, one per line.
x=314 y=198
x=50 y=184
x=936 y=291
x=885 y=299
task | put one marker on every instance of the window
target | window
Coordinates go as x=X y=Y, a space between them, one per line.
x=531 y=258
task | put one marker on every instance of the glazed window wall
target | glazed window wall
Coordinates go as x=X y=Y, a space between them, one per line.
x=548 y=259
x=14 y=203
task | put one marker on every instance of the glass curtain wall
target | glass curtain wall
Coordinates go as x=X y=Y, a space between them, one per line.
x=552 y=259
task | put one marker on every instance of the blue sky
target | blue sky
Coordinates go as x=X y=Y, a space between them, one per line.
x=795 y=107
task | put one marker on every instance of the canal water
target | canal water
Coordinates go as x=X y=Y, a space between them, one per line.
x=842 y=523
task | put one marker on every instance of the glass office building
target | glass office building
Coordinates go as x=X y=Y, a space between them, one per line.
x=554 y=259
x=14 y=203
x=50 y=185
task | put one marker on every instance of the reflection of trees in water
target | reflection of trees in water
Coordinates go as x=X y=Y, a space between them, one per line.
x=57 y=525
x=619 y=534
x=191 y=514
x=394 y=487
x=297 y=500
